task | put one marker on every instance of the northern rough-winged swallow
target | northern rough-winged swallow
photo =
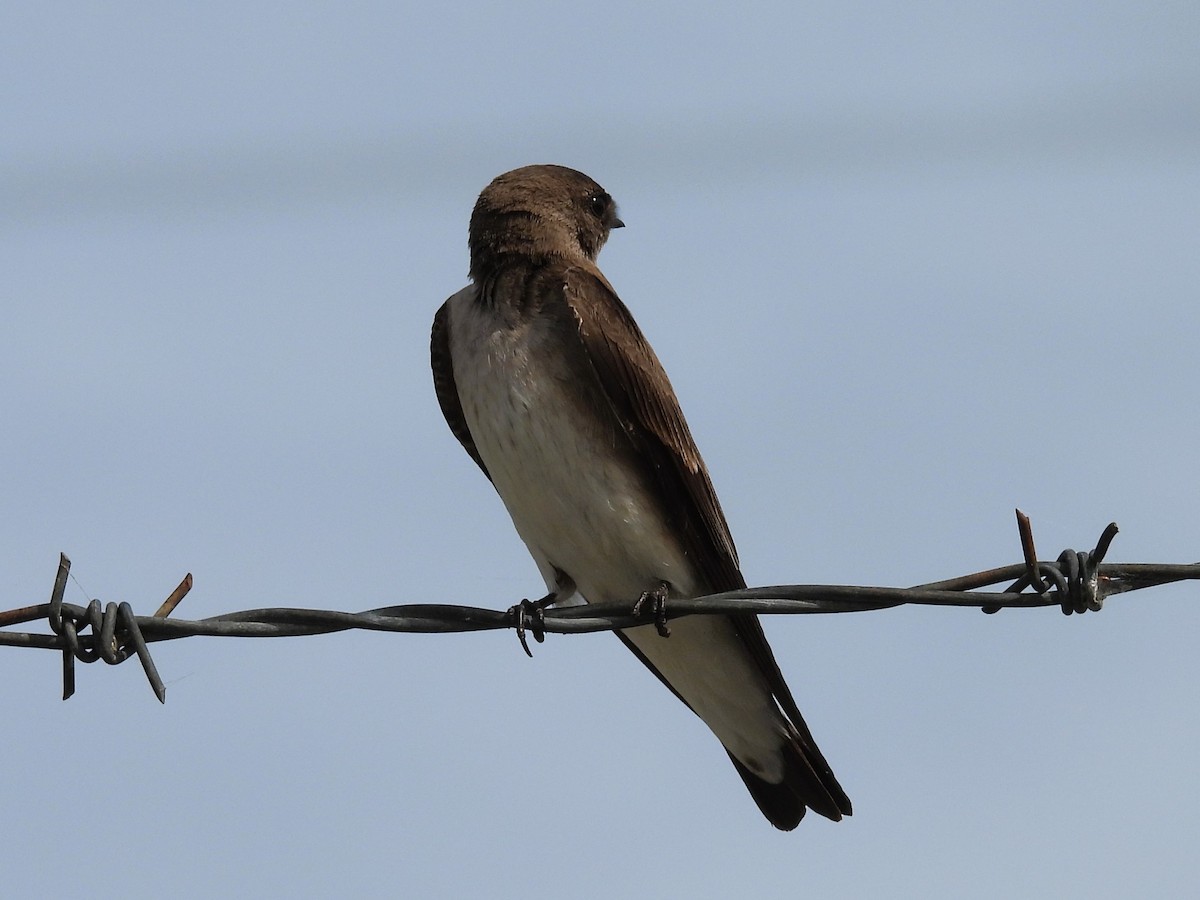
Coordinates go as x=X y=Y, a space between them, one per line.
x=548 y=383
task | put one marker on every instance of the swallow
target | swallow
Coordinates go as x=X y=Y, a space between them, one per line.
x=550 y=386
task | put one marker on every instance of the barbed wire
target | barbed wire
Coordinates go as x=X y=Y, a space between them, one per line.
x=1077 y=581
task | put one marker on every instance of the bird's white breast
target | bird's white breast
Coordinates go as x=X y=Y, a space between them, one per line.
x=563 y=472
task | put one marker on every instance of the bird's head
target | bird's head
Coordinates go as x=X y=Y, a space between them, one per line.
x=543 y=212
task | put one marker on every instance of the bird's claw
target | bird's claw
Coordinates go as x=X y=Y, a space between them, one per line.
x=531 y=615
x=658 y=607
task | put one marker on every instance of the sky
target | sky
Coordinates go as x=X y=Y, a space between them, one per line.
x=909 y=266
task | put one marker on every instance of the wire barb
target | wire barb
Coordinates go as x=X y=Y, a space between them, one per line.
x=1076 y=582
x=1033 y=576
x=176 y=597
x=114 y=632
x=1076 y=579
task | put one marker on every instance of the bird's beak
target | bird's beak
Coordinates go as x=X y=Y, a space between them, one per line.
x=616 y=223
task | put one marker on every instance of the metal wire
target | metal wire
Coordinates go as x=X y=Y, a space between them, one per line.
x=1076 y=582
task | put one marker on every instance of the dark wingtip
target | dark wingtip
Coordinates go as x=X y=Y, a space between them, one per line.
x=785 y=803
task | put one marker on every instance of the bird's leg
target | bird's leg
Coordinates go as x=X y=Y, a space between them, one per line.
x=531 y=614
x=658 y=605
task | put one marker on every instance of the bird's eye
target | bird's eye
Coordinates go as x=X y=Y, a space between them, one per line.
x=599 y=203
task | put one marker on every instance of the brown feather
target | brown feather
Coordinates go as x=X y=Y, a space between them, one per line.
x=443 y=384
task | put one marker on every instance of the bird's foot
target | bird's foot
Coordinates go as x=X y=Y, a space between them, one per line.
x=657 y=598
x=531 y=614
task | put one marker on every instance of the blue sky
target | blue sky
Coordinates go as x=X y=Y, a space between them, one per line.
x=909 y=266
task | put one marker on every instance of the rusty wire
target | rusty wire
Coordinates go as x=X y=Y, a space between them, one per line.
x=1076 y=582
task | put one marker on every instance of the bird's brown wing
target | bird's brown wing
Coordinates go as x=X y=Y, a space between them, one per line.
x=635 y=385
x=642 y=399
x=443 y=384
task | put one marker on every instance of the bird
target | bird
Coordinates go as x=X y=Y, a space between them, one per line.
x=550 y=386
